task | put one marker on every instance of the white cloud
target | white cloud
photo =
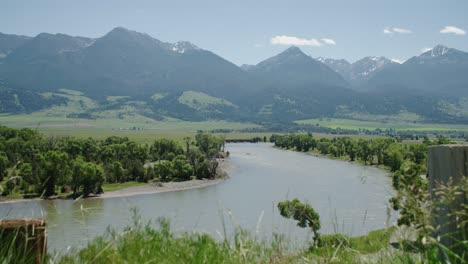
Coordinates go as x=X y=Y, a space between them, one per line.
x=393 y=30
x=328 y=41
x=288 y=40
x=452 y=30
x=423 y=50
x=402 y=30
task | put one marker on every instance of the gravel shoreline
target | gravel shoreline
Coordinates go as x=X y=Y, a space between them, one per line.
x=163 y=187
x=223 y=171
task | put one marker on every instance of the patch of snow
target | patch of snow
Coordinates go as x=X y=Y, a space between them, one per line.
x=369 y=71
x=439 y=50
x=176 y=49
x=89 y=44
x=321 y=59
x=183 y=46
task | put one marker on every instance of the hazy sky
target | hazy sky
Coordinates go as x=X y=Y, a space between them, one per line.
x=248 y=31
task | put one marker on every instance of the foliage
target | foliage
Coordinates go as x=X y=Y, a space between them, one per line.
x=380 y=151
x=394 y=156
x=145 y=244
x=303 y=213
x=341 y=245
x=47 y=166
x=162 y=148
x=208 y=144
x=3 y=165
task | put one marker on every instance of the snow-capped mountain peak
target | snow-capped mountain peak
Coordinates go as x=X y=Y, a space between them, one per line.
x=439 y=54
x=439 y=50
x=359 y=70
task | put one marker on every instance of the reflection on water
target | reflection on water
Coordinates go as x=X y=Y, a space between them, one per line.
x=350 y=198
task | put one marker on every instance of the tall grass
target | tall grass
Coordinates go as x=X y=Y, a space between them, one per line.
x=146 y=244
x=18 y=245
x=140 y=243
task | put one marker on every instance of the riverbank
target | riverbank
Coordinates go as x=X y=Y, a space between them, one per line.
x=223 y=171
x=316 y=153
x=160 y=187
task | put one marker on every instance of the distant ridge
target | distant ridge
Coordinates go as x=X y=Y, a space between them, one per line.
x=293 y=67
x=288 y=86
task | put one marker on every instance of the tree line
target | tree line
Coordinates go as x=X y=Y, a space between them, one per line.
x=377 y=151
x=32 y=164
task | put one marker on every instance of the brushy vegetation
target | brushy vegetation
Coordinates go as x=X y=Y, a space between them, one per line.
x=33 y=165
x=145 y=244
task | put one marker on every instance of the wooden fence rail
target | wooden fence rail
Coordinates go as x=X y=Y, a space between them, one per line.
x=29 y=236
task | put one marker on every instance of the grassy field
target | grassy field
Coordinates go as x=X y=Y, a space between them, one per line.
x=198 y=100
x=109 y=187
x=128 y=120
x=135 y=127
x=372 y=125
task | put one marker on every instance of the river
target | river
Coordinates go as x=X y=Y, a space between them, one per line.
x=350 y=198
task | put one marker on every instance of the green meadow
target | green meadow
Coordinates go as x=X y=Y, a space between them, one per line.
x=372 y=125
x=135 y=127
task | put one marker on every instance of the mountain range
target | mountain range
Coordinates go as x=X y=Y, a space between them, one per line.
x=289 y=86
x=359 y=72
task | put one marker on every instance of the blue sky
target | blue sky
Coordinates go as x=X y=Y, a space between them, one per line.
x=248 y=31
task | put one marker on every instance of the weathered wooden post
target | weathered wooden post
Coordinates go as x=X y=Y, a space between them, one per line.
x=447 y=162
x=28 y=236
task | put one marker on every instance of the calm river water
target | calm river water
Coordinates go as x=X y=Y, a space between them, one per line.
x=350 y=199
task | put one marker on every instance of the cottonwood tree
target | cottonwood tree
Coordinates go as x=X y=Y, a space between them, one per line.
x=303 y=213
x=56 y=171
x=393 y=156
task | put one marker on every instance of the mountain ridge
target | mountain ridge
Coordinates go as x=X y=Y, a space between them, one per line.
x=290 y=85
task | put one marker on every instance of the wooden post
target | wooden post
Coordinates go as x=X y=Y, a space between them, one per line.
x=30 y=235
x=445 y=162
